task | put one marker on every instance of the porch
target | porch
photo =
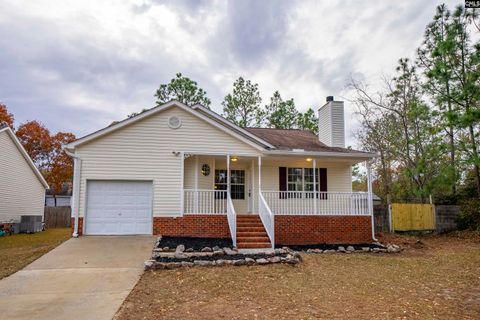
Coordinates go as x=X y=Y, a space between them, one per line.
x=251 y=192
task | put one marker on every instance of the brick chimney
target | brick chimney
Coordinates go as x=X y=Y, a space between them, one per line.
x=331 y=123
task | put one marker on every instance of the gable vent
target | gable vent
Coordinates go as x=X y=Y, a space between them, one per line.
x=174 y=122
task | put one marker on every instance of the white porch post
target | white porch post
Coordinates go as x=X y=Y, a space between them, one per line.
x=259 y=179
x=370 y=198
x=252 y=184
x=182 y=173
x=77 y=163
x=228 y=175
x=314 y=186
x=195 y=197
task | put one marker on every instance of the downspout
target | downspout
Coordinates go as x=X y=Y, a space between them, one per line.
x=370 y=199
x=77 y=163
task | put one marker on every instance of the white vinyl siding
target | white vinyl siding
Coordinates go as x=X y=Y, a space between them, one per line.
x=144 y=151
x=338 y=125
x=21 y=192
x=324 y=125
x=331 y=124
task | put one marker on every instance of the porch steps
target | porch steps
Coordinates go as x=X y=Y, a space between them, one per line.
x=250 y=233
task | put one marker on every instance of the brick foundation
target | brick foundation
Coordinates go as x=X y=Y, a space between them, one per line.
x=80 y=225
x=298 y=230
x=205 y=226
x=289 y=230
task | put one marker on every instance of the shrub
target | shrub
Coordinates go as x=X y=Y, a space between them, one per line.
x=469 y=217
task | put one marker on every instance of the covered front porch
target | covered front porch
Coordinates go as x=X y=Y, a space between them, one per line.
x=287 y=187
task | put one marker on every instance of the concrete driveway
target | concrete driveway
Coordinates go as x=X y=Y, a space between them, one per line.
x=84 y=278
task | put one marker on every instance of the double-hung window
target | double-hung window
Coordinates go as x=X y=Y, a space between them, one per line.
x=301 y=181
x=237 y=183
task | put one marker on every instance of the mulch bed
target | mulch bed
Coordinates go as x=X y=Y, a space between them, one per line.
x=196 y=244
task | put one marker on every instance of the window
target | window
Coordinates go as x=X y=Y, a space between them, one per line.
x=206 y=170
x=237 y=183
x=308 y=179
x=301 y=179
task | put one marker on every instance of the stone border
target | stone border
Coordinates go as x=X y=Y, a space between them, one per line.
x=165 y=258
x=389 y=248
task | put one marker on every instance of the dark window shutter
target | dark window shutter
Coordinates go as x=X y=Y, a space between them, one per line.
x=282 y=181
x=323 y=182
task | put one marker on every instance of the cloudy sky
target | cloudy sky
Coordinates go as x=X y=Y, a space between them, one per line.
x=78 y=65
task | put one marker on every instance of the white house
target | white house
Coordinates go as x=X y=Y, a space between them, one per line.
x=182 y=170
x=22 y=186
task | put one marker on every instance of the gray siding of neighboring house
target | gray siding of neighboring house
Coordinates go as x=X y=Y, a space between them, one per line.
x=21 y=192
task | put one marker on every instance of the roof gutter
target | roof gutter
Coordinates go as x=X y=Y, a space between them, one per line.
x=322 y=153
x=77 y=164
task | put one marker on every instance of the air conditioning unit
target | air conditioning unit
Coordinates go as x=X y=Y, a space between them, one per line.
x=31 y=224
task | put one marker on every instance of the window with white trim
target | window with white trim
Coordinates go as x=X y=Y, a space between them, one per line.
x=301 y=179
x=237 y=183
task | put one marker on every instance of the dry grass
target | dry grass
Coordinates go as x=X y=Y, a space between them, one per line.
x=436 y=278
x=19 y=250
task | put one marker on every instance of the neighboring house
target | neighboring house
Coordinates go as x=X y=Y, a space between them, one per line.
x=185 y=171
x=61 y=198
x=57 y=201
x=22 y=187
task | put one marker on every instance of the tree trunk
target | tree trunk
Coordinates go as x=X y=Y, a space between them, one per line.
x=475 y=159
x=451 y=135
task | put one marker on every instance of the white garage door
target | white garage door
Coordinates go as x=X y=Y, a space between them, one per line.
x=119 y=207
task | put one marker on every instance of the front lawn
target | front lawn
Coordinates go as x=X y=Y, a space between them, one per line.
x=435 y=277
x=19 y=250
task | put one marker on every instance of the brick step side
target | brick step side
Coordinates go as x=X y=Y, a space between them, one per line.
x=253 y=245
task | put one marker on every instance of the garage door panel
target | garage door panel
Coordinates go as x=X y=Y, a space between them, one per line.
x=119 y=207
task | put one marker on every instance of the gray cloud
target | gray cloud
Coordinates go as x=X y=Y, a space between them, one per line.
x=76 y=68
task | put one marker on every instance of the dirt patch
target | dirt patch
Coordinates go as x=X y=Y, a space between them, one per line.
x=443 y=284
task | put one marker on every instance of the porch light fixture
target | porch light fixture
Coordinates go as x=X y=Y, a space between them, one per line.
x=309 y=159
x=234 y=159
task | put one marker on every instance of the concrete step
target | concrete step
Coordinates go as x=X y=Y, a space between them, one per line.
x=249 y=221
x=249 y=224
x=250 y=229
x=253 y=245
x=251 y=234
x=252 y=239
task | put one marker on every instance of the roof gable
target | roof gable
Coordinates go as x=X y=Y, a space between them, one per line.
x=8 y=131
x=118 y=125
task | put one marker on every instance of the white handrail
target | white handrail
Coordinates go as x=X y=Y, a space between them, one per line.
x=203 y=201
x=268 y=219
x=317 y=203
x=232 y=220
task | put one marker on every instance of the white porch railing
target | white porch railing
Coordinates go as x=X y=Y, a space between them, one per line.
x=268 y=219
x=318 y=203
x=205 y=201
x=232 y=220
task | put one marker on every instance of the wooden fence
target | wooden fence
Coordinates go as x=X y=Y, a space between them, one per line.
x=413 y=217
x=57 y=217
